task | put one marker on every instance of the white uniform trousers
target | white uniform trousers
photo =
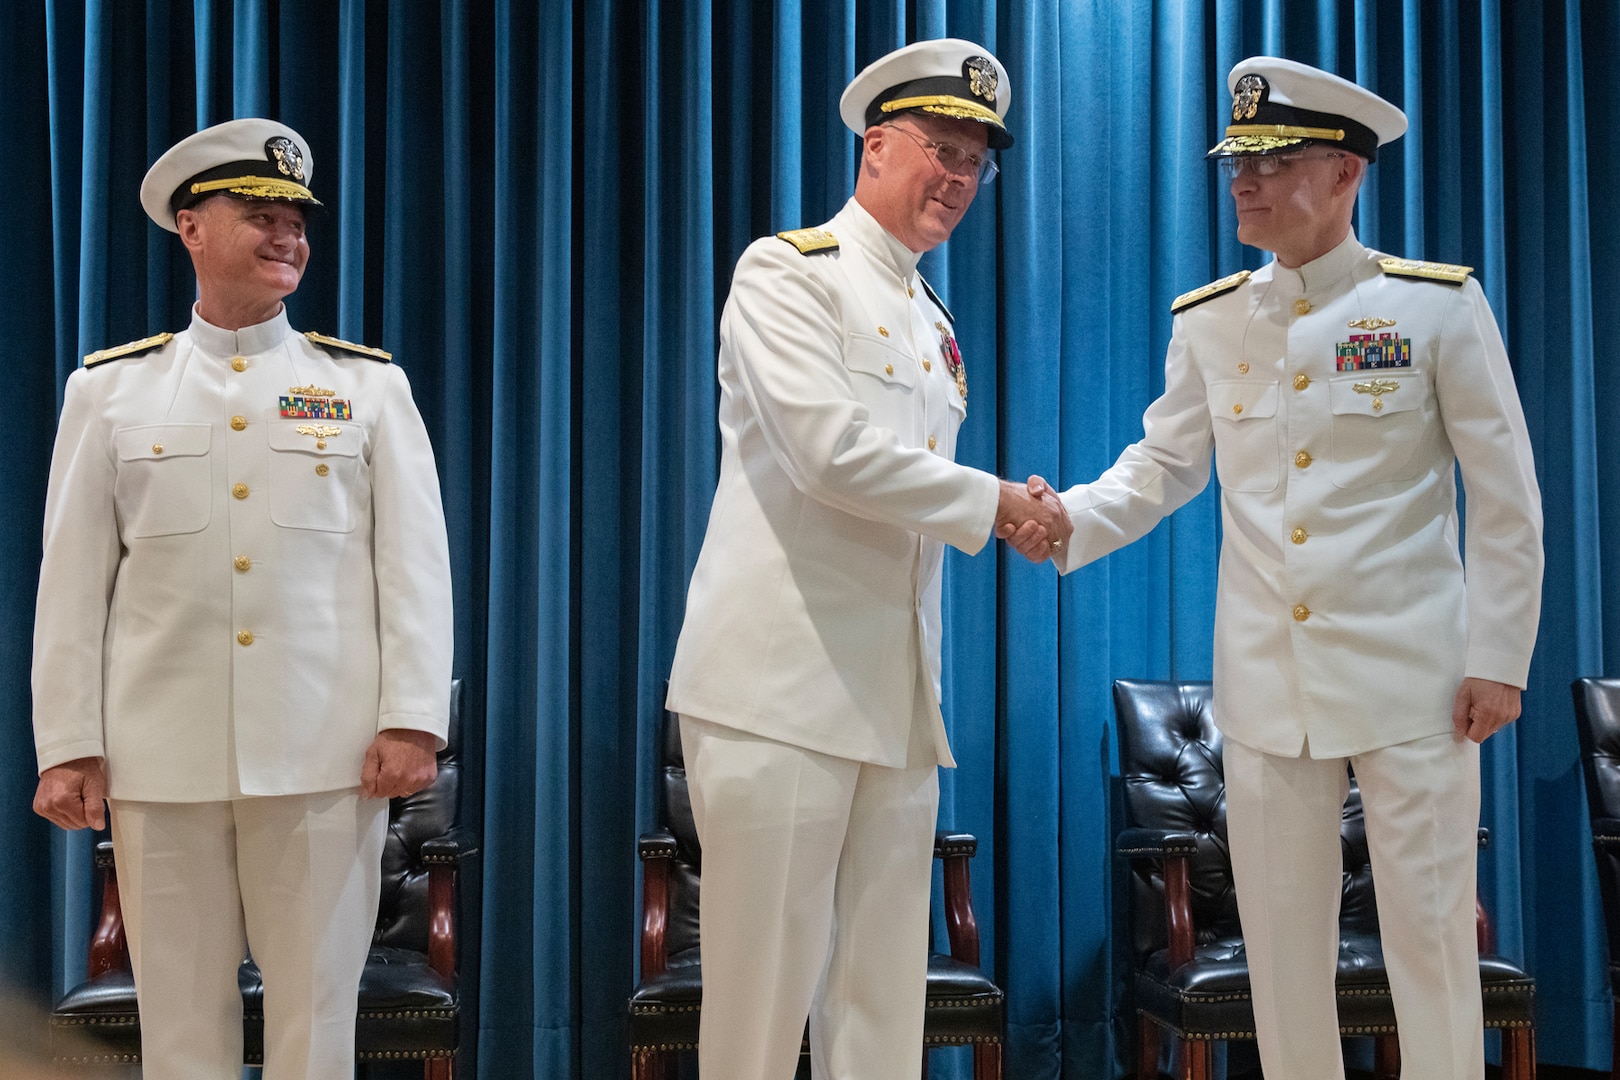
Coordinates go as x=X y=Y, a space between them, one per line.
x=1421 y=801
x=294 y=878
x=816 y=874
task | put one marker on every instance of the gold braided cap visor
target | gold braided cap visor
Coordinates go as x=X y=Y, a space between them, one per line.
x=1269 y=138
x=946 y=105
x=257 y=187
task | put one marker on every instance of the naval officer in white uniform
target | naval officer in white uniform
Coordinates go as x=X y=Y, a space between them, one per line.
x=807 y=670
x=1337 y=388
x=243 y=631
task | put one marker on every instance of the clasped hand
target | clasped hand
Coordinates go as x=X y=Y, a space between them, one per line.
x=1032 y=520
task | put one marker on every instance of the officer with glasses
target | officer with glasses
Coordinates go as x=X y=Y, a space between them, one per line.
x=807 y=674
x=1337 y=389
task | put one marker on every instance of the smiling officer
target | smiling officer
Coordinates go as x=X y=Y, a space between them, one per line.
x=1337 y=389
x=243 y=635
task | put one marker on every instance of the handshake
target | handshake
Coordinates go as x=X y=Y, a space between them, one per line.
x=1032 y=520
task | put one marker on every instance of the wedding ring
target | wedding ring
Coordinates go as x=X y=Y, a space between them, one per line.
x=1057 y=545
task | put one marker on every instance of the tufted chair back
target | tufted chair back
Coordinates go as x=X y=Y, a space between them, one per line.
x=1170 y=763
x=1597 y=708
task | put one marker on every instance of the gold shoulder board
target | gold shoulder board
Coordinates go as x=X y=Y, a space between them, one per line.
x=133 y=348
x=934 y=296
x=810 y=241
x=349 y=346
x=1208 y=292
x=1413 y=268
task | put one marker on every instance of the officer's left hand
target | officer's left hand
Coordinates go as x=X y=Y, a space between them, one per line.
x=1482 y=707
x=399 y=762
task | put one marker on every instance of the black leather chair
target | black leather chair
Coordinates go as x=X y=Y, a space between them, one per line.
x=1597 y=707
x=1190 y=973
x=964 y=1006
x=418 y=993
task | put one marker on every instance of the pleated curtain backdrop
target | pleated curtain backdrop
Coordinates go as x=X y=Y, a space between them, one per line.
x=537 y=205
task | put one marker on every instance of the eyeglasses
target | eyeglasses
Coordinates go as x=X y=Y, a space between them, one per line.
x=1269 y=164
x=954 y=159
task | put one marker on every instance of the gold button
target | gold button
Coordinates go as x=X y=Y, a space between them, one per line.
x=884 y=330
x=1378 y=403
x=1302 y=459
x=1243 y=368
x=910 y=291
x=1301 y=612
x=928 y=365
x=244 y=637
x=157 y=448
x=1301 y=381
x=888 y=369
x=1302 y=306
x=1237 y=408
x=322 y=469
x=238 y=423
x=1298 y=536
x=932 y=442
x=239 y=490
x=243 y=563
x=238 y=363
x=320 y=444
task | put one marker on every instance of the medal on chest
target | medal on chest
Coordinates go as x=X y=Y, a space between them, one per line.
x=953 y=359
x=314 y=403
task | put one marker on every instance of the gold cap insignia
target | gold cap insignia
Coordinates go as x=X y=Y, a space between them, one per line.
x=1246 y=97
x=980 y=74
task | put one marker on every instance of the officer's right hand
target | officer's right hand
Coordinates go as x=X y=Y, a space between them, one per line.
x=71 y=794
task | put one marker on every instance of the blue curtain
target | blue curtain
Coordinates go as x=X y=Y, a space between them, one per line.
x=537 y=206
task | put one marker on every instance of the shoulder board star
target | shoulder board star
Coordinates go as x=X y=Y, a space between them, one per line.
x=810 y=241
x=1433 y=271
x=1208 y=292
x=133 y=348
x=349 y=347
x=934 y=296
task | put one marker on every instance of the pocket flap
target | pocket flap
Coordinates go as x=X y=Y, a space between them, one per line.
x=1242 y=399
x=162 y=441
x=875 y=357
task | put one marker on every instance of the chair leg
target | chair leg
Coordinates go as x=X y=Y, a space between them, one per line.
x=1196 y=1061
x=1386 y=1057
x=651 y=1065
x=1147 y=1048
x=987 y=1061
x=1519 y=1053
x=437 y=1069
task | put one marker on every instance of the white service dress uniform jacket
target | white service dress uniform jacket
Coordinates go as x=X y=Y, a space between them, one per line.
x=1336 y=399
x=815 y=602
x=235 y=598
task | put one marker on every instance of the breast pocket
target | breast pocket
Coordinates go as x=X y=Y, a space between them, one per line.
x=163 y=486
x=1379 y=424
x=316 y=477
x=885 y=381
x=1248 y=444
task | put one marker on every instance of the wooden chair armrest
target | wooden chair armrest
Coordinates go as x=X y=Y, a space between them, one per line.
x=955 y=852
x=109 y=947
x=444 y=856
x=1173 y=849
x=656 y=849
